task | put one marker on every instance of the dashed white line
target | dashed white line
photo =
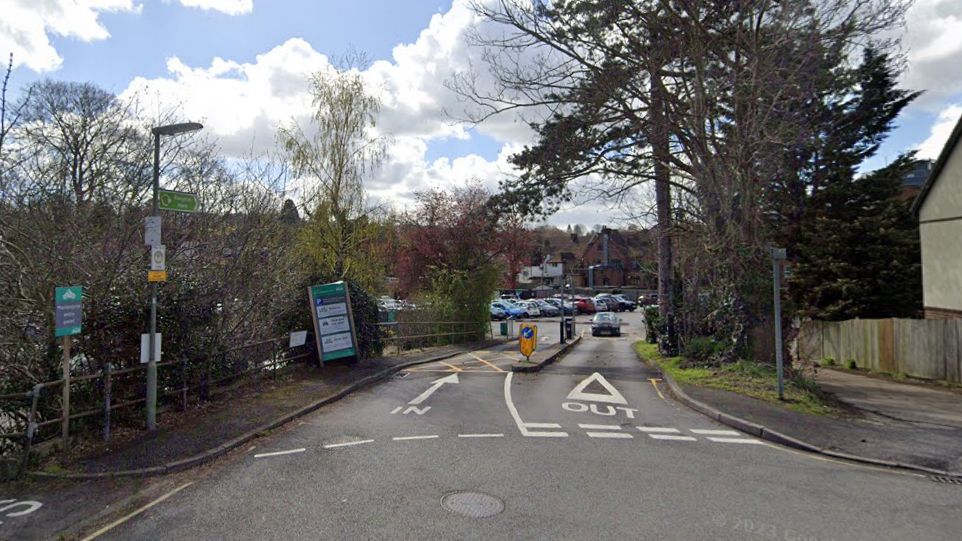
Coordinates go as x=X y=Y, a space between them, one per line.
x=600 y=427
x=542 y=425
x=658 y=429
x=279 y=453
x=480 y=435
x=715 y=432
x=406 y=438
x=671 y=437
x=610 y=435
x=735 y=440
x=348 y=444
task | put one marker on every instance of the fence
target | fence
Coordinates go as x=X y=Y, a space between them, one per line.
x=405 y=334
x=33 y=416
x=922 y=348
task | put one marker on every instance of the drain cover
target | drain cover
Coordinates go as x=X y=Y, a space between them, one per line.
x=472 y=504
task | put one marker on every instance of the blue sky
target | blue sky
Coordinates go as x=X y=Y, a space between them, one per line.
x=239 y=66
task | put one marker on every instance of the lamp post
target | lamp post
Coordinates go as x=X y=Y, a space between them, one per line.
x=170 y=129
x=563 y=316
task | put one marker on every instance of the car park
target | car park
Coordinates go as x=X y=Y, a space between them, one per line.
x=529 y=309
x=585 y=305
x=626 y=303
x=497 y=314
x=605 y=323
x=510 y=309
x=601 y=305
x=569 y=307
x=548 y=309
x=610 y=301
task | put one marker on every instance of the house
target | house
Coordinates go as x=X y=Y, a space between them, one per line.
x=915 y=179
x=939 y=209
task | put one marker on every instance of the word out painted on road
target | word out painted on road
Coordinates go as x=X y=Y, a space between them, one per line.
x=528 y=341
x=613 y=396
x=25 y=508
x=435 y=385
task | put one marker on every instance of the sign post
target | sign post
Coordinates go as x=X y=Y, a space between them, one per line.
x=778 y=256
x=528 y=340
x=68 y=303
x=333 y=321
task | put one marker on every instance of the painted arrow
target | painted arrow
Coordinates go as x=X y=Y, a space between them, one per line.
x=453 y=378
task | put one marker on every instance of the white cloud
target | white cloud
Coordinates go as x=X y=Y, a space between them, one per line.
x=230 y=7
x=25 y=24
x=940 y=131
x=934 y=49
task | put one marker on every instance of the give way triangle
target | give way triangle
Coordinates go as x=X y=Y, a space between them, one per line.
x=613 y=396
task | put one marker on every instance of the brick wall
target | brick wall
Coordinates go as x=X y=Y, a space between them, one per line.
x=942 y=313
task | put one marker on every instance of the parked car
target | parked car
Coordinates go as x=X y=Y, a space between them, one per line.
x=548 y=309
x=497 y=314
x=610 y=301
x=585 y=305
x=601 y=305
x=569 y=307
x=626 y=303
x=511 y=310
x=605 y=323
x=529 y=308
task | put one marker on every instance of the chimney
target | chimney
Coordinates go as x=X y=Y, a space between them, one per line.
x=574 y=238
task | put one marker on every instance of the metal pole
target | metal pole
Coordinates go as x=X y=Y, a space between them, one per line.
x=107 y=391
x=777 y=281
x=563 y=306
x=66 y=396
x=151 y=361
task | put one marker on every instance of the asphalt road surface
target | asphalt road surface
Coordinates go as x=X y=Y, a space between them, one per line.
x=589 y=448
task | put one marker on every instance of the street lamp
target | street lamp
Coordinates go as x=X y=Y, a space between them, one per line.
x=170 y=129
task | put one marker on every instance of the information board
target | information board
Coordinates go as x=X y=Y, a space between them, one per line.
x=333 y=321
x=69 y=308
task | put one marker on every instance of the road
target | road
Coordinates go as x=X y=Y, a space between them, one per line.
x=589 y=448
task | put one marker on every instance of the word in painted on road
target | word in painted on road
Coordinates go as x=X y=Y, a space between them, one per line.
x=333 y=321
x=528 y=340
x=435 y=385
x=14 y=508
x=578 y=395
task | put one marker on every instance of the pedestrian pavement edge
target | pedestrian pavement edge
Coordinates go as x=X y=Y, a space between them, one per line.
x=554 y=356
x=774 y=436
x=230 y=445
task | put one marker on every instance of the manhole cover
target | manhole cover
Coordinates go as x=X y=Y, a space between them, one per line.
x=472 y=504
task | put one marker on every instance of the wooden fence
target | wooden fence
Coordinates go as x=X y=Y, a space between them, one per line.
x=921 y=348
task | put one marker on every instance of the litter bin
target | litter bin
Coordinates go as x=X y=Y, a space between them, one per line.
x=504 y=328
x=569 y=328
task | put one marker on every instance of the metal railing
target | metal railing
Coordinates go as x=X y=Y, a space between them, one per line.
x=406 y=335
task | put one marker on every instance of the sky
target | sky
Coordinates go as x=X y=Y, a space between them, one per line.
x=240 y=67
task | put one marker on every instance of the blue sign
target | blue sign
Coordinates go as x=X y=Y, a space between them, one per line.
x=527 y=332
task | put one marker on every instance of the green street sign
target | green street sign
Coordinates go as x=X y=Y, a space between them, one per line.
x=68 y=310
x=178 y=201
x=333 y=321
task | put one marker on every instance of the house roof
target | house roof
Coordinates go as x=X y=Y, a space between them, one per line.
x=944 y=156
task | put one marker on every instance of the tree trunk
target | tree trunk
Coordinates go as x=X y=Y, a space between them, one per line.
x=660 y=147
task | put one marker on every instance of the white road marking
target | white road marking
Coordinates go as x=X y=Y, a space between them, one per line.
x=517 y=418
x=613 y=396
x=406 y=438
x=599 y=427
x=715 y=432
x=542 y=425
x=436 y=384
x=619 y=435
x=735 y=440
x=397 y=409
x=279 y=453
x=658 y=429
x=348 y=444
x=480 y=435
x=120 y=521
x=669 y=437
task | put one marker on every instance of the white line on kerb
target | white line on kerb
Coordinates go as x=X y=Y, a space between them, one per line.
x=600 y=427
x=517 y=417
x=406 y=438
x=669 y=437
x=480 y=435
x=612 y=435
x=715 y=432
x=734 y=440
x=657 y=429
x=348 y=444
x=120 y=521
x=279 y=453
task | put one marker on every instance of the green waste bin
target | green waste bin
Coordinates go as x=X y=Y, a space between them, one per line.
x=504 y=328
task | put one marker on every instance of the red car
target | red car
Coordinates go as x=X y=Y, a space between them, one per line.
x=585 y=305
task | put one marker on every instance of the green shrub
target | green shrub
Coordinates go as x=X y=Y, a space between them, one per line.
x=701 y=349
x=828 y=361
x=851 y=365
x=652 y=324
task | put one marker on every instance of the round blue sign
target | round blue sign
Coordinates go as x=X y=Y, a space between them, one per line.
x=527 y=332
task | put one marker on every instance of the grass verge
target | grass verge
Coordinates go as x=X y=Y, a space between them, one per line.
x=744 y=377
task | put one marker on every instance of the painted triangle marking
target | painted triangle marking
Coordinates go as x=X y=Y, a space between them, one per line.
x=613 y=396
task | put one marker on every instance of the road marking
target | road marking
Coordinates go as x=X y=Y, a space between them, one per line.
x=654 y=383
x=613 y=396
x=397 y=409
x=279 y=453
x=496 y=367
x=673 y=438
x=348 y=444
x=436 y=384
x=610 y=435
x=542 y=425
x=658 y=429
x=452 y=367
x=715 y=432
x=734 y=440
x=599 y=427
x=517 y=418
x=406 y=438
x=480 y=435
x=120 y=521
